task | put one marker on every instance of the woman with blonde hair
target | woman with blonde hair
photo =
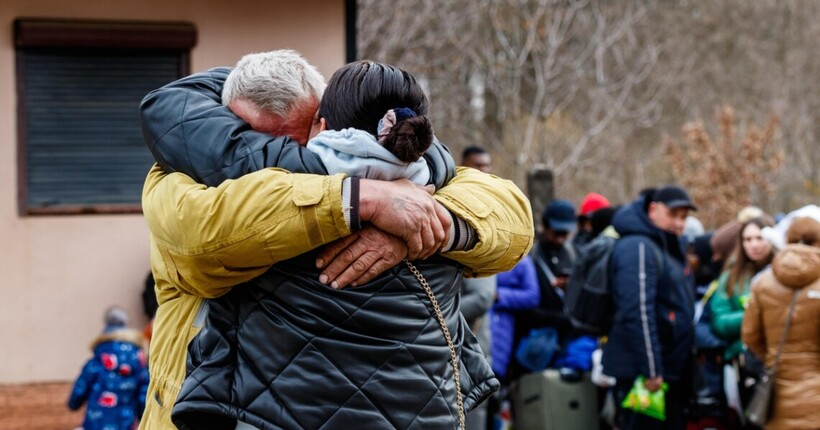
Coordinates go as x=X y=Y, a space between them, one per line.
x=794 y=281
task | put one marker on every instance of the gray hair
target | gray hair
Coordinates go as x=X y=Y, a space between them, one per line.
x=276 y=81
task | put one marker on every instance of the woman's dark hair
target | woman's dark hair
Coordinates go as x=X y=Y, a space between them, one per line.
x=359 y=94
x=408 y=139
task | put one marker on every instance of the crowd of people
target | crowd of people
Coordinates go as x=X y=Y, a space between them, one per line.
x=698 y=315
x=369 y=282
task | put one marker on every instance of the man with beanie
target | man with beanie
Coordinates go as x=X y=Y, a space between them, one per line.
x=652 y=293
x=591 y=203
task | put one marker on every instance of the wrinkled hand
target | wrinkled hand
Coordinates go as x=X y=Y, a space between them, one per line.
x=407 y=211
x=654 y=384
x=360 y=257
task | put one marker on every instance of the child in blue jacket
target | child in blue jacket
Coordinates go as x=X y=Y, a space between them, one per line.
x=113 y=382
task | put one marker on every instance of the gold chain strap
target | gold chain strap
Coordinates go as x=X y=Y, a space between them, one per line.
x=446 y=331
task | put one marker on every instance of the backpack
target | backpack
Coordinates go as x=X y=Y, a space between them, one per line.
x=588 y=299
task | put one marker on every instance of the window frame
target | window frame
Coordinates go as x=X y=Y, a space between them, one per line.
x=124 y=35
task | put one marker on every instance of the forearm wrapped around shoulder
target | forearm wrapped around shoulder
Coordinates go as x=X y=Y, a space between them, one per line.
x=500 y=214
x=218 y=233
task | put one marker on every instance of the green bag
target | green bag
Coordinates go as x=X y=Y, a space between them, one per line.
x=643 y=401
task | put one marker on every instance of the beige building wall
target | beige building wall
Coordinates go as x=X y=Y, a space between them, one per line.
x=59 y=273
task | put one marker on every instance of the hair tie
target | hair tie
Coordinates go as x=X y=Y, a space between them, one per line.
x=390 y=119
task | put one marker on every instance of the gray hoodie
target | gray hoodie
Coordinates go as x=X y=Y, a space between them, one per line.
x=358 y=153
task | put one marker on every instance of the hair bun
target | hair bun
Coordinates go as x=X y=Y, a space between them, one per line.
x=410 y=138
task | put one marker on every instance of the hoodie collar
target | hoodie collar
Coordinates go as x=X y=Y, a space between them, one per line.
x=797 y=265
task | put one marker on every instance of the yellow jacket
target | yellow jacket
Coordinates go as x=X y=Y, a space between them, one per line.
x=206 y=240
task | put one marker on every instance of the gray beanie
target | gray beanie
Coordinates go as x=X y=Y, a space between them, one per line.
x=116 y=317
x=692 y=229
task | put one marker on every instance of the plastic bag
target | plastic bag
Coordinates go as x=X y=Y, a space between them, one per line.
x=597 y=375
x=643 y=401
x=535 y=351
x=732 y=391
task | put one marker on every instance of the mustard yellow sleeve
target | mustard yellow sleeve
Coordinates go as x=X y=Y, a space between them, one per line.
x=207 y=239
x=499 y=212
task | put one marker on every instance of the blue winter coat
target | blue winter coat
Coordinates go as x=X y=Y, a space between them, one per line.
x=113 y=382
x=652 y=331
x=517 y=290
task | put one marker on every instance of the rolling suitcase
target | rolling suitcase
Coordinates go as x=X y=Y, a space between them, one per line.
x=545 y=401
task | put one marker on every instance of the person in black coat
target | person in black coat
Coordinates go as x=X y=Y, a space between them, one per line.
x=652 y=292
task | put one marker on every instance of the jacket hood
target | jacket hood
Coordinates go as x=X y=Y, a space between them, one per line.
x=797 y=265
x=121 y=335
x=633 y=220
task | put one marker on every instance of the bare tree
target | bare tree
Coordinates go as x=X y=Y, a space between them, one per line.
x=726 y=172
x=566 y=72
x=590 y=88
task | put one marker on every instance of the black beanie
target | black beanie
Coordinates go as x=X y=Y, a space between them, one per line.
x=601 y=219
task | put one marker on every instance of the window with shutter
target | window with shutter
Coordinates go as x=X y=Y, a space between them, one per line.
x=79 y=85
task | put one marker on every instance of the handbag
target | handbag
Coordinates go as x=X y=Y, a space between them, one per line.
x=760 y=405
x=446 y=331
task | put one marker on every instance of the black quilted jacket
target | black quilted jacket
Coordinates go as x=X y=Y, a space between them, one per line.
x=290 y=353
x=284 y=351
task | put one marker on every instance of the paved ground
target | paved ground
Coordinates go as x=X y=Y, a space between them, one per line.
x=37 y=407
